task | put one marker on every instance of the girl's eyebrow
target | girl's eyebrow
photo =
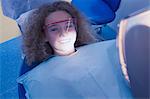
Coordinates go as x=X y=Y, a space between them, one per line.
x=49 y=25
x=60 y=21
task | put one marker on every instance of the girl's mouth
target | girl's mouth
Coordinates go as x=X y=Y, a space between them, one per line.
x=64 y=41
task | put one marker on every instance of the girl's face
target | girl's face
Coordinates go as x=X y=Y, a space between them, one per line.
x=60 y=32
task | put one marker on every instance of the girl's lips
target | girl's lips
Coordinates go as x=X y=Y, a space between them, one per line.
x=64 y=41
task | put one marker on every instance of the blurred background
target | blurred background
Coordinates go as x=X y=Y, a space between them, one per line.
x=8 y=28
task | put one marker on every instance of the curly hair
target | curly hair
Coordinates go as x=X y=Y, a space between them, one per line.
x=34 y=46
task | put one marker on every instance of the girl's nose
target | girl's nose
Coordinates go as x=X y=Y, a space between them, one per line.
x=63 y=32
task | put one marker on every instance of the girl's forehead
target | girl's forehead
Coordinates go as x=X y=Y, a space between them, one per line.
x=57 y=16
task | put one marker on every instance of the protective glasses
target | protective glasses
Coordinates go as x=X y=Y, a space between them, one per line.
x=59 y=26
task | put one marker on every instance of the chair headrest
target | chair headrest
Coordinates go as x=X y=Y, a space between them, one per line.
x=98 y=11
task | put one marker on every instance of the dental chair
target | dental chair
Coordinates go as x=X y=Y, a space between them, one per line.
x=99 y=12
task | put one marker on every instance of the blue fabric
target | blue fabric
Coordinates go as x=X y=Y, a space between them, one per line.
x=24 y=68
x=92 y=72
x=10 y=63
x=98 y=11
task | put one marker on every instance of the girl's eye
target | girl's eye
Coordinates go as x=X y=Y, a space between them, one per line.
x=53 y=29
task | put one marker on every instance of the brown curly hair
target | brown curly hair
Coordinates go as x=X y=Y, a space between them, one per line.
x=34 y=46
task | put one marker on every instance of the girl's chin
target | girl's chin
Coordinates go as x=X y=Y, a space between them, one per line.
x=65 y=47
